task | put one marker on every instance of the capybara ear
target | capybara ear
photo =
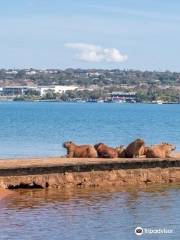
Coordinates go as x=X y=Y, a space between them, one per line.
x=96 y=146
x=70 y=142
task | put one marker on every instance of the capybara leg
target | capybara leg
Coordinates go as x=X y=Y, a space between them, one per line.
x=70 y=155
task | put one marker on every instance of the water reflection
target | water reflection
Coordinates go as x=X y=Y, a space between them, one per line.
x=100 y=213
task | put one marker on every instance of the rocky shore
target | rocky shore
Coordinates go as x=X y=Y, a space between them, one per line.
x=67 y=172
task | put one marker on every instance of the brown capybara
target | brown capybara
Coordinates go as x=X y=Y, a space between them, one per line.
x=105 y=152
x=121 y=151
x=135 y=149
x=80 y=151
x=162 y=150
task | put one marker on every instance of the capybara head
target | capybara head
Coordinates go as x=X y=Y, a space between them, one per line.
x=96 y=146
x=170 y=146
x=139 y=142
x=67 y=144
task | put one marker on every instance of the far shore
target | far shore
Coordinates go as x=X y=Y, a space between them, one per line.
x=12 y=100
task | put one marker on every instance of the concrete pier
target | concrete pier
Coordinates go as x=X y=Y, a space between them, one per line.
x=65 y=172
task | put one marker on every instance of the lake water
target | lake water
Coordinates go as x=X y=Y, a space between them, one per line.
x=39 y=129
x=91 y=214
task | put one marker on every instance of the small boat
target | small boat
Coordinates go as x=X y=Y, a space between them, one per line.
x=159 y=102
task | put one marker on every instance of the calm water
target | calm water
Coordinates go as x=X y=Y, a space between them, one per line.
x=96 y=214
x=39 y=129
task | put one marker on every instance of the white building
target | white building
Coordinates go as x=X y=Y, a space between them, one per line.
x=31 y=72
x=15 y=90
x=11 y=72
x=63 y=89
x=57 y=89
x=21 y=90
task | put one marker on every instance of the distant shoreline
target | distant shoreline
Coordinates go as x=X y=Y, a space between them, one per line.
x=85 y=102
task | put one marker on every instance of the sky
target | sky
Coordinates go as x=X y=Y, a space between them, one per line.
x=124 y=34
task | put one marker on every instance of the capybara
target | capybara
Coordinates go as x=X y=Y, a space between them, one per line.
x=135 y=149
x=121 y=151
x=106 y=152
x=161 y=150
x=80 y=151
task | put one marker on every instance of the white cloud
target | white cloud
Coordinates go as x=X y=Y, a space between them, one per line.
x=94 y=53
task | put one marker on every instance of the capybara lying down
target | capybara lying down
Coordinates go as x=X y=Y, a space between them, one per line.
x=80 y=151
x=162 y=150
x=135 y=149
x=106 y=152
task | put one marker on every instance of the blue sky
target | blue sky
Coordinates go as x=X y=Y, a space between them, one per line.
x=133 y=34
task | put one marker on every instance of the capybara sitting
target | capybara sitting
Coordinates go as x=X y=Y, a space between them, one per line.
x=135 y=149
x=80 y=151
x=162 y=150
x=106 y=152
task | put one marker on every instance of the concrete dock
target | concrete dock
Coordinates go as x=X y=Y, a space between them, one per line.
x=65 y=172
